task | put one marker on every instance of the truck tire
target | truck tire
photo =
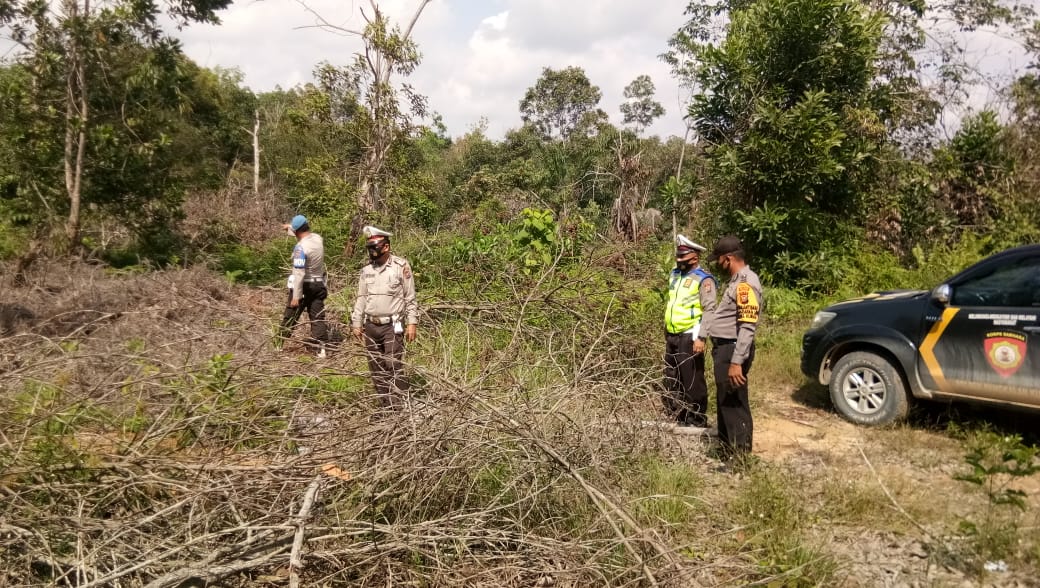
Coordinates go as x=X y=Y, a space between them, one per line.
x=868 y=390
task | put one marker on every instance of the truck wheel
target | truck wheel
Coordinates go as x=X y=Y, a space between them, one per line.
x=868 y=390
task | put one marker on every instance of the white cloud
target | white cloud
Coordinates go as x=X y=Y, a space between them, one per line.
x=479 y=57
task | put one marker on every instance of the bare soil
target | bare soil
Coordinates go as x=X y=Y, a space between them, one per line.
x=913 y=467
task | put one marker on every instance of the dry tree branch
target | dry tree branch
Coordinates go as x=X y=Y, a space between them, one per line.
x=176 y=461
x=603 y=502
x=295 y=560
x=891 y=499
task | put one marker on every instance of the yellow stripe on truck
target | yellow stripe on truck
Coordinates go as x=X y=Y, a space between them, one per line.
x=928 y=347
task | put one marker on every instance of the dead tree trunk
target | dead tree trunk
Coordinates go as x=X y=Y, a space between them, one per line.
x=382 y=102
x=678 y=179
x=256 y=153
x=76 y=116
x=627 y=201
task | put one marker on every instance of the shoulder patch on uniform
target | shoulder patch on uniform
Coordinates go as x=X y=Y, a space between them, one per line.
x=708 y=284
x=748 y=306
x=407 y=271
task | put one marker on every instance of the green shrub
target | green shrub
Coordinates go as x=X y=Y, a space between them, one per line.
x=247 y=265
x=14 y=232
x=535 y=242
x=782 y=303
x=996 y=462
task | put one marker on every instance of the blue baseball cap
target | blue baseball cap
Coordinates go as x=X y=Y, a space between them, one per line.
x=297 y=222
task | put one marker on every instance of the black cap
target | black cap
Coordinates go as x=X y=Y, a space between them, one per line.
x=725 y=246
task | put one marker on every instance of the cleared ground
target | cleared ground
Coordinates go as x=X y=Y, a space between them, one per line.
x=153 y=434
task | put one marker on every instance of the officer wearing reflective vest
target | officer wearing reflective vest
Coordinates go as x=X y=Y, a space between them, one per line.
x=307 y=284
x=385 y=316
x=691 y=303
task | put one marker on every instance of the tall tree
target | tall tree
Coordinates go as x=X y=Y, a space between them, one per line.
x=975 y=174
x=68 y=48
x=387 y=50
x=640 y=109
x=562 y=103
x=785 y=111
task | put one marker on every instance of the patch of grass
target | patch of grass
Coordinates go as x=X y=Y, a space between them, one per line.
x=852 y=501
x=921 y=448
x=328 y=389
x=767 y=501
x=668 y=493
x=773 y=510
x=785 y=303
x=777 y=347
x=135 y=345
x=991 y=539
x=243 y=264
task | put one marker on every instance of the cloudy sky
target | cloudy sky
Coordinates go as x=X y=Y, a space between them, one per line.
x=479 y=56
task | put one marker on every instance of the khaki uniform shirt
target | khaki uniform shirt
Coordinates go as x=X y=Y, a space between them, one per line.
x=308 y=262
x=386 y=290
x=738 y=313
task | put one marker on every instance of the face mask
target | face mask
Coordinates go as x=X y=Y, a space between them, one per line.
x=683 y=266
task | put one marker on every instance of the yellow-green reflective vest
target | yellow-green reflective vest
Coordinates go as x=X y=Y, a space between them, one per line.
x=684 y=300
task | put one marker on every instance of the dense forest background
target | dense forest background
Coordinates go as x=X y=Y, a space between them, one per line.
x=813 y=134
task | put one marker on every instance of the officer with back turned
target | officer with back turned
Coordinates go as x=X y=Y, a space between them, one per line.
x=307 y=284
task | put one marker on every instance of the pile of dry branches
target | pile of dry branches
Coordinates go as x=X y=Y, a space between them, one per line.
x=153 y=436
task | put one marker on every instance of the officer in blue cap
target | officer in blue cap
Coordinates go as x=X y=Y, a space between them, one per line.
x=691 y=302
x=307 y=285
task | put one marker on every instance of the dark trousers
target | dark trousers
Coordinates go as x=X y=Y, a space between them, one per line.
x=313 y=301
x=735 y=424
x=385 y=349
x=686 y=391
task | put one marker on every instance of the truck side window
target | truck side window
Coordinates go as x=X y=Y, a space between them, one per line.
x=1014 y=285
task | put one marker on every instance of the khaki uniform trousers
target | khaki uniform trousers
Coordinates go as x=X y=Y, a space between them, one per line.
x=385 y=349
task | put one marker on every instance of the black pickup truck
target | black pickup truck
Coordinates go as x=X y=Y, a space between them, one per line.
x=974 y=337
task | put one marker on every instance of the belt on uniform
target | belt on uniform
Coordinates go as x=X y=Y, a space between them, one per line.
x=380 y=320
x=318 y=280
x=719 y=341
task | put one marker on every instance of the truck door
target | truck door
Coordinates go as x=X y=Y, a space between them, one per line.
x=986 y=342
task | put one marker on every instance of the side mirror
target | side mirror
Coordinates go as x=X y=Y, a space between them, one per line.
x=941 y=294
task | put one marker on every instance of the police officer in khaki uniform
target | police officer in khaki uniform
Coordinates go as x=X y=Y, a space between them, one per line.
x=732 y=334
x=307 y=284
x=691 y=302
x=385 y=316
